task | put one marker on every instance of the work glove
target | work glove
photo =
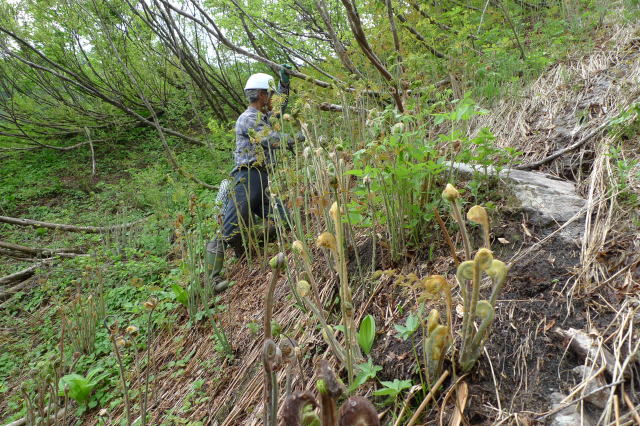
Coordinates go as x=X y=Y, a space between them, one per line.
x=291 y=141
x=284 y=77
x=291 y=144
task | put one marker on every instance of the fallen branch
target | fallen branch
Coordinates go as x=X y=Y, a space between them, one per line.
x=40 y=251
x=15 y=255
x=562 y=151
x=13 y=290
x=577 y=144
x=44 y=146
x=69 y=228
x=326 y=106
x=25 y=273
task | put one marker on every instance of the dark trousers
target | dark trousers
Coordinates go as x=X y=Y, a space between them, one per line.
x=248 y=196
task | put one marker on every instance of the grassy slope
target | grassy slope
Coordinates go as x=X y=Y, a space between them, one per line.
x=50 y=186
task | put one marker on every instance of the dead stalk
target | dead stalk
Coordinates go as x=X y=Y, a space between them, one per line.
x=447 y=237
x=125 y=389
x=426 y=400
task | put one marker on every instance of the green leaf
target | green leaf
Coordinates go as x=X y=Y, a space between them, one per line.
x=398 y=385
x=386 y=391
x=392 y=389
x=78 y=387
x=367 y=333
x=366 y=371
x=411 y=325
x=182 y=296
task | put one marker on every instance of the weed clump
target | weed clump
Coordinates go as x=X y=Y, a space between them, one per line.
x=82 y=316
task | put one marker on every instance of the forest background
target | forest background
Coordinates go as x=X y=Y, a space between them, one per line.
x=118 y=112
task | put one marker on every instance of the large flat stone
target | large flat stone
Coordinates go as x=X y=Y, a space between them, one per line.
x=548 y=202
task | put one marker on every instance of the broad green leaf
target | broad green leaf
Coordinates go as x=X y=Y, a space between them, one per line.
x=411 y=325
x=78 y=387
x=367 y=333
x=182 y=296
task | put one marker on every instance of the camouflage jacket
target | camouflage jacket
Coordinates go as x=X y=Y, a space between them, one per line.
x=256 y=138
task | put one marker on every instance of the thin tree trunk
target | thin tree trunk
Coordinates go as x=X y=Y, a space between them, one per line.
x=69 y=228
x=21 y=275
x=358 y=32
x=335 y=41
x=396 y=39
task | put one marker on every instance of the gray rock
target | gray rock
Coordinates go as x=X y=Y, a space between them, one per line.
x=548 y=202
x=569 y=416
x=599 y=398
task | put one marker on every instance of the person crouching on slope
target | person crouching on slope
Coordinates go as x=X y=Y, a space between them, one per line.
x=256 y=142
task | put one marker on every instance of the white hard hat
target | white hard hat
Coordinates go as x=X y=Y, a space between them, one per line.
x=260 y=81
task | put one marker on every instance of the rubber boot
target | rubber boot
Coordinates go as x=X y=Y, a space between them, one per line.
x=214 y=260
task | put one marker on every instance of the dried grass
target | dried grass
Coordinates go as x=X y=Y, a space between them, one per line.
x=569 y=100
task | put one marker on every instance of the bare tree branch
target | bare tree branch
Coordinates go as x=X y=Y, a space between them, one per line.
x=69 y=76
x=36 y=251
x=419 y=36
x=69 y=228
x=20 y=275
x=358 y=32
x=339 y=48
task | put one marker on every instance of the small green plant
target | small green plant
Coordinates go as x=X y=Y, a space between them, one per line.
x=304 y=289
x=40 y=393
x=82 y=316
x=367 y=333
x=346 y=299
x=78 y=387
x=271 y=354
x=151 y=306
x=469 y=276
x=392 y=389
x=452 y=196
x=253 y=327
x=117 y=342
x=181 y=295
x=435 y=346
x=434 y=287
x=411 y=325
x=366 y=371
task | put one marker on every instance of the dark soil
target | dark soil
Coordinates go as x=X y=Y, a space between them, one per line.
x=529 y=361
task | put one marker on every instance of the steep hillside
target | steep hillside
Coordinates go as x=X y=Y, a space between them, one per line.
x=586 y=279
x=115 y=324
